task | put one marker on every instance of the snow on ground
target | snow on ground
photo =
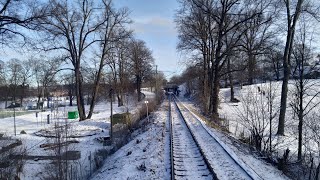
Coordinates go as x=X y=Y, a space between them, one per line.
x=128 y=162
x=145 y=157
x=85 y=132
x=254 y=110
x=255 y=98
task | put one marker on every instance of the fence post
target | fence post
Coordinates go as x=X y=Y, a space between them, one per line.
x=48 y=119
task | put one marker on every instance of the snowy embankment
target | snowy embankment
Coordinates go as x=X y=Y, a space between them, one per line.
x=253 y=111
x=83 y=134
x=145 y=157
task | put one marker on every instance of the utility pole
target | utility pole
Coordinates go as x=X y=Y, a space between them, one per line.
x=156 y=88
x=270 y=116
x=14 y=119
x=14 y=102
x=146 y=102
x=127 y=98
x=111 y=123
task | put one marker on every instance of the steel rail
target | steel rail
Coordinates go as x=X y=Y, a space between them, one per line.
x=206 y=161
x=249 y=174
x=171 y=141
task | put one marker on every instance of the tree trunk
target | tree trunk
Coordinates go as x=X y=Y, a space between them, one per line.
x=317 y=172
x=120 y=92
x=301 y=109
x=79 y=94
x=215 y=95
x=23 y=94
x=120 y=99
x=283 y=105
x=88 y=99
x=300 y=132
x=38 y=102
x=277 y=71
x=121 y=80
x=95 y=91
x=48 y=102
x=230 y=77
x=284 y=89
x=226 y=81
x=21 y=100
x=216 y=58
x=70 y=95
x=270 y=115
x=232 y=99
x=6 y=97
x=205 y=82
x=138 y=83
x=251 y=68
x=286 y=62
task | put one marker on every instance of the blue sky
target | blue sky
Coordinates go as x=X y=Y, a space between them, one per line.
x=153 y=22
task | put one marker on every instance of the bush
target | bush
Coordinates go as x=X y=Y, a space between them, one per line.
x=11 y=160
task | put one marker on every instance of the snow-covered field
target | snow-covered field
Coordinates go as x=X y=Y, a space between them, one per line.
x=84 y=132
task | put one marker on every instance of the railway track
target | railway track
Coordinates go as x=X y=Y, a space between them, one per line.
x=187 y=159
x=200 y=155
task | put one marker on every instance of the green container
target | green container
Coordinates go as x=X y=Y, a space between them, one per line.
x=73 y=114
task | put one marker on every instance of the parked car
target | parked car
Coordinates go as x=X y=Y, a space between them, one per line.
x=14 y=105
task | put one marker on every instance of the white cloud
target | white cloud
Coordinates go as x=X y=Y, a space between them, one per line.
x=154 y=24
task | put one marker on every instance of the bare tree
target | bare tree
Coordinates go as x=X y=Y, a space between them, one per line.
x=306 y=96
x=255 y=39
x=141 y=62
x=74 y=27
x=256 y=115
x=68 y=81
x=313 y=138
x=44 y=72
x=120 y=69
x=14 y=69
x=273 y=61
x=111 y=32
x=26 y=74
x=292 y=17
x=224 y=31
x=123 y=66
x=234 y=66
x=189 y=76
x=17 y=14
x=195 y=28
x=12 y=159
x=4 y=83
